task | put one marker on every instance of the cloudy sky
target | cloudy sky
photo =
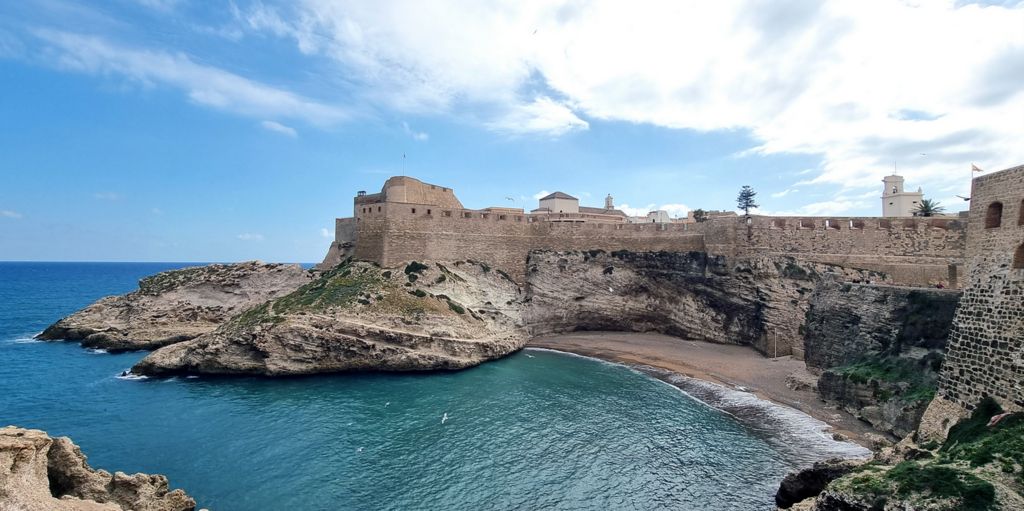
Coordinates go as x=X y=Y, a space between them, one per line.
x=188 y=130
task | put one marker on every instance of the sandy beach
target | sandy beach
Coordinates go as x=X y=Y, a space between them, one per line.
x=729 y=365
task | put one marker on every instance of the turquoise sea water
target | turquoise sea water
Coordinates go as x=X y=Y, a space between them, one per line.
x=537 y=430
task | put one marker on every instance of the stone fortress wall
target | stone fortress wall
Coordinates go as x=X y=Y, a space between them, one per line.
x=411 y=220
x=985 y=354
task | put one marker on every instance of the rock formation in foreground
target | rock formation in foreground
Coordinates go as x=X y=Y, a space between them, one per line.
x=358 y=316
x=979 y=466
x=39 y=473
x=177 y=305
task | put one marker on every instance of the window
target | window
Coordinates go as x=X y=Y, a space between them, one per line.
x=447 y=213
x=502 y=217
x=428 y=211
x=832 y=224
x=1020 y=217
x=414 y=211
x=378 y=209
x=856 y=224
x=1018 y=258
x=806 y=224
x=994 y=215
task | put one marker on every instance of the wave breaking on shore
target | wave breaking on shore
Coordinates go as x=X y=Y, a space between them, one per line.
x=803 y=437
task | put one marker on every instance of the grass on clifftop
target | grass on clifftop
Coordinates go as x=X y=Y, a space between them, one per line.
x=168 y=280
x=956 y=479
x=973 y=441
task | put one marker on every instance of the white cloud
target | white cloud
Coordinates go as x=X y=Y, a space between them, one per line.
x=324 y=233
x=631 y=211
x=416 y=135
x=783 y=193
x=277 y=127
x=858 y=84
x=675 y=210
x=248 y=236
x=540 y=194
x=204 y=85
x=543 y=115
x=160 y=5
x=107 y=196
x=6 y=213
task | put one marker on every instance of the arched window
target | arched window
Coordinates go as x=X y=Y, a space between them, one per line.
x=994 y=215
x=1018 y=258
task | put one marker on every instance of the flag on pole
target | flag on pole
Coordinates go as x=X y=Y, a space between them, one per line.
x=974 y=168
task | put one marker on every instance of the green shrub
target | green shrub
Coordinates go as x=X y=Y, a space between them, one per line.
x=456 y=307
x=415 y=267
x=419 y=293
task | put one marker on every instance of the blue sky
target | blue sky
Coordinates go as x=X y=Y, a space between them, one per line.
x=180 y=130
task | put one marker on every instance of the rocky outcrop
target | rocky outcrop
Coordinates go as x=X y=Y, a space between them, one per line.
x=878 y=349
x=39 y=473
x=980 y=466
x=176 y=305
x=810 y=482
x=694 y=295
x=358 y=317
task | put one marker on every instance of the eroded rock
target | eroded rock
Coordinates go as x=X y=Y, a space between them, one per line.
x=176 y=306
x=39 y=473
x=359 y=317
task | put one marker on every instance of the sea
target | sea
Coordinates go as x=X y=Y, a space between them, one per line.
x=535 y=430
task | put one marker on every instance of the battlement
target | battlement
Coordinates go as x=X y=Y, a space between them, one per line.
x=410 y=219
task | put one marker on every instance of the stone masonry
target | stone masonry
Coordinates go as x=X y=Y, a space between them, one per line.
x=986 y=345
x=411 y=220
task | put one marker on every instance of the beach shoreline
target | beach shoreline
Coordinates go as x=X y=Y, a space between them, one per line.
x=733 y=367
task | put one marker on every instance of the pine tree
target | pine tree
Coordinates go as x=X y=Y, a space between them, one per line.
x=745 y=200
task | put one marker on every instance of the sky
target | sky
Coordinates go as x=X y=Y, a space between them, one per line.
x=194 y=130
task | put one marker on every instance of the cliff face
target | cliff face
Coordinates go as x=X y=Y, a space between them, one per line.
x=755 y=301
x=39 y=473
x=358 y=316
x=878 y=349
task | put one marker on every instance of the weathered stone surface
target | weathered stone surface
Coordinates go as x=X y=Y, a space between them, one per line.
x=809 y=482
x=39 y=473
x=756 y=301
x=986 y=347
x=848 y=323
x=176 y=305
x=878 y=349
x=360 y=317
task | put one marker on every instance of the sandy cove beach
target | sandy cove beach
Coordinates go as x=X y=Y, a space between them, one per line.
x=730 y=365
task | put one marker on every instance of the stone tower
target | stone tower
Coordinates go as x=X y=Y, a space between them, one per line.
x=608 y=202
x=895 y=201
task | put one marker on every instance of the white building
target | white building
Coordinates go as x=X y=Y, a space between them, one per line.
x=895 y=201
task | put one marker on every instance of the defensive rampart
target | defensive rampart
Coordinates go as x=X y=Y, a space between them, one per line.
x=986 y=345
x=910 y=251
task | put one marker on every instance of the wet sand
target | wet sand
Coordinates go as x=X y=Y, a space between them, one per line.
x=729 y=365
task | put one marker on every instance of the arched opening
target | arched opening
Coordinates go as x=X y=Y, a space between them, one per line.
x=994 y=215
x=1018 y=258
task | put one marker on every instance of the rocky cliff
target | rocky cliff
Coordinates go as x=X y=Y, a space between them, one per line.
x=756 y=301
x=878 y=349
x=176 y=305
x=358 y=316
x=979 y=467
x=39 y=473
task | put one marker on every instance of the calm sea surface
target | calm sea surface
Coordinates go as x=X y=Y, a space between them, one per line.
x=537 y=430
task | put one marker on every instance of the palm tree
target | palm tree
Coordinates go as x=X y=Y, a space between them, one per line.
x=928 y=207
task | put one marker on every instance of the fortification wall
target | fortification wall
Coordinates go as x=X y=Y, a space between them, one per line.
x=396 y=233
x=912 y=251
x=986 y=345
